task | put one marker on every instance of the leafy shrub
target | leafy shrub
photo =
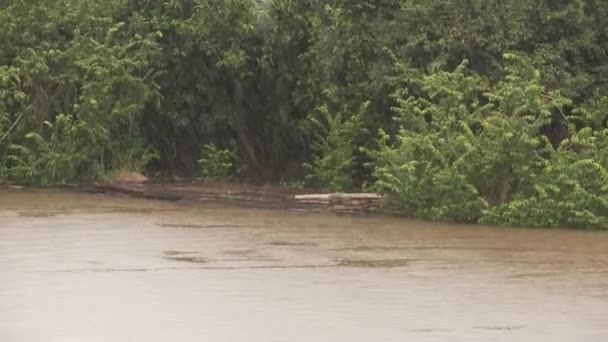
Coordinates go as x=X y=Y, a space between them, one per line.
x=60 y=157
x=572 y=190
x=135 y=157
x=475 y=153
x=216 y=163
x=422 y=178
x=425 y=172
x=335 y=147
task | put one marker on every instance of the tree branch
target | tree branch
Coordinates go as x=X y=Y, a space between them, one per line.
x=12 y=127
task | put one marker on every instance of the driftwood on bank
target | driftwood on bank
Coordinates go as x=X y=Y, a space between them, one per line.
x=358 y=202
x=243 y=195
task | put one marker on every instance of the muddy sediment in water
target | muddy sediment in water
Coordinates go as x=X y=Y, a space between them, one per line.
x=94 y=267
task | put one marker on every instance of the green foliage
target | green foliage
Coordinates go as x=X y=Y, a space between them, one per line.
x=294 y=184
x=73 y=85
x=62 y=157
x=422 y=179
x=216 y=163
x=472 y=152
x=335 y=148
x=571 y=190
x=514 y=135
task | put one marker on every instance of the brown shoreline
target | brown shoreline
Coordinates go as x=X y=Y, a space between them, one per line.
x=235 y=194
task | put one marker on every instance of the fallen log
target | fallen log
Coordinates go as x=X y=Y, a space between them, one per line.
x=346 y=196
x=352 y=203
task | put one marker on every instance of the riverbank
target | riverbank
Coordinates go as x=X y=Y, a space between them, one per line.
x=244 y=195
x=234 y=194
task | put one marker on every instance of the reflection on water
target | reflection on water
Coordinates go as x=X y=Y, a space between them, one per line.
x=77 y=267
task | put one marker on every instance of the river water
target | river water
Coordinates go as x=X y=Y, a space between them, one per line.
x=77 y=267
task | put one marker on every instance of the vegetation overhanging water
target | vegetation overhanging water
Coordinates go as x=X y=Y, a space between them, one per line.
x=471 y=111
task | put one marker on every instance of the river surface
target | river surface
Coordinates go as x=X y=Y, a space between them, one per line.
x=80 y=268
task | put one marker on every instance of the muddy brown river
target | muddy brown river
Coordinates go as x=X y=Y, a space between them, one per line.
x=80 y=268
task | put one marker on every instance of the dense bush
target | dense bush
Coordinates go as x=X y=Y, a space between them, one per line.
x=216 y=163
x=336 y=148
x=473 y=152
x=299 y=89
